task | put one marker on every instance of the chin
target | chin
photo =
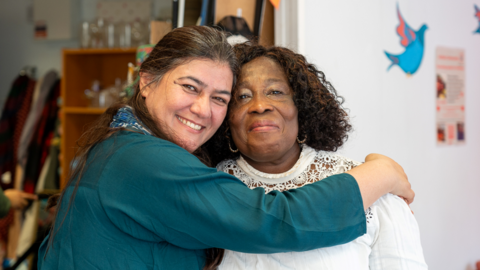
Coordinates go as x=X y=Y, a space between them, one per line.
x=263 y=152
x=187 y=145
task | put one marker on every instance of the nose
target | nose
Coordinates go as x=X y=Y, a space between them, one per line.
x=201 y=106
x=260 y=104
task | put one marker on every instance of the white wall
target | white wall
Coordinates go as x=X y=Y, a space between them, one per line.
x=18 y=47
x=394 y=114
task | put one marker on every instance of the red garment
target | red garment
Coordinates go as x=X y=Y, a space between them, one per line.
x=40 y=144
x=8 y=123
x=22 y=116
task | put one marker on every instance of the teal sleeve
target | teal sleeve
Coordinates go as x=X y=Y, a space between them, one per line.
x=160 y=192
x=5 y=204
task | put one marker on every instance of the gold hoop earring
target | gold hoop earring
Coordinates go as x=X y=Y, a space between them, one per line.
x=228 y=139
x=229 y=146
x=302 y=141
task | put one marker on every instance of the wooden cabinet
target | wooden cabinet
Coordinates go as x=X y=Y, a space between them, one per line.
x=80 y=67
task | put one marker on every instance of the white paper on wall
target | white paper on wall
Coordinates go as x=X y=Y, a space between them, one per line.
x=450 y=96
x=52 y=19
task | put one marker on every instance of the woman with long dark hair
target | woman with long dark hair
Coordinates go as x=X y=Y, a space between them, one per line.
x=141 y=195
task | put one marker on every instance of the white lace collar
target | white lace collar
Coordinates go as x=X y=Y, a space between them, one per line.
x=306 y=158
x=311 y=166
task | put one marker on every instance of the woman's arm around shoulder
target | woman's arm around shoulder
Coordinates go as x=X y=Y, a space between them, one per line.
x=157 y=191
x=380 y=175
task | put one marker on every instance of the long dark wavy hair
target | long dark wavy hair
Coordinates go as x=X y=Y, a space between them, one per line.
x=321 y=117
x=176 y=48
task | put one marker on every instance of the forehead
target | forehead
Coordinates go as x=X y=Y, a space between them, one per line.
x=214 y=73
x=199 y=65
x=262 y=68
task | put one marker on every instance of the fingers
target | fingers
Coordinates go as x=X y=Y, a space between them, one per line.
x=407 y=204
x=374 y=156
x=30 y=196
x=19 y=199
x=25 y=199
x=23 y=203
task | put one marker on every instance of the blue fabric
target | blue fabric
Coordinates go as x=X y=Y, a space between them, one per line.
x=146 y=203
x=125 y=118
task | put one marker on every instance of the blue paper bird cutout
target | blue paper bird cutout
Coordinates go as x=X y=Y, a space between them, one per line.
x=411 y=58
x=477 y=14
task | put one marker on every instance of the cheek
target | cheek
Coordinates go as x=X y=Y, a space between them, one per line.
x=291 y=117
x=236 y=121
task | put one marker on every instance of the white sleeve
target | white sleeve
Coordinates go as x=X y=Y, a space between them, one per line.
x=397 y=243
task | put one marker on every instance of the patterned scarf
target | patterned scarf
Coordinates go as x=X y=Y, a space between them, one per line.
x=126 y=118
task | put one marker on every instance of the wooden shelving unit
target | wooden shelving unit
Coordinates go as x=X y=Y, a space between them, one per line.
x=80 y=67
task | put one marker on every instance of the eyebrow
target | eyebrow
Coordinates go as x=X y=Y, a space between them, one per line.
x=202 y=84
x=273 y=80
x=224 y=92
x=267 y=81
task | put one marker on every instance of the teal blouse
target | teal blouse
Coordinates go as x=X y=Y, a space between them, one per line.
x=146 y=203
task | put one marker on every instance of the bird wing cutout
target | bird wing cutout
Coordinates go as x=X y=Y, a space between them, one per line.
x=406 y=33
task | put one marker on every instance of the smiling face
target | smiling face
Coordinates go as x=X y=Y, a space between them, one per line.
x=263 y=118
x=190 y=102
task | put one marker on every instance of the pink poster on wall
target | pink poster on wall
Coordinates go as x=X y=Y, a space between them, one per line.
x=450 y=96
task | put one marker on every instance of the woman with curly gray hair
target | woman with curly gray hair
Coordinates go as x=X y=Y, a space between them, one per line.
x=284 y=123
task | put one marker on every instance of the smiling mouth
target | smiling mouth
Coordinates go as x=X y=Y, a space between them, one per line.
x=264 y=128
x=264 y=125
x=189 y=124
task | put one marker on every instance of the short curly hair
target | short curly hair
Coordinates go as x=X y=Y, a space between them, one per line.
x=321 y=117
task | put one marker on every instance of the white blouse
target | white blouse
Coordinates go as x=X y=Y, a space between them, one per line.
x=392 y=240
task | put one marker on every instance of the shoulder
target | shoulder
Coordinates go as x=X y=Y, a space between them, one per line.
x=227 y=165
x=391 y=208
x=335 y=157
x=334 y=162
x=135 y=146
x=389 y=201
x=130 y=155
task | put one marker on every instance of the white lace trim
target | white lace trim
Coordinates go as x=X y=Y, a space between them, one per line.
x=306 y=157
x=312 y=166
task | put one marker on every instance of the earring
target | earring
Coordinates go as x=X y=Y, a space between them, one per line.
x=229 y=146
x=228 y=139
x=302 y=141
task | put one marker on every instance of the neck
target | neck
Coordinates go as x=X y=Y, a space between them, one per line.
x=276 y=165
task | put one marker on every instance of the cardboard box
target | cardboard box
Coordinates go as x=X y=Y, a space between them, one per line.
x=158 y=30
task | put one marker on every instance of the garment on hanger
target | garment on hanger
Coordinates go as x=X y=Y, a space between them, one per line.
x=38 y=102
x=40 y=145
x=52 y=179
x=8 y=123
x=39 y=95
x=21 y=117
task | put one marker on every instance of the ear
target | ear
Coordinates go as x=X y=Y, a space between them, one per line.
x=145 y=79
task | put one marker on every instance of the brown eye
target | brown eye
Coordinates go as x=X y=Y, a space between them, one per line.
x=189 y=87
x=221 y=100
x=275 y=92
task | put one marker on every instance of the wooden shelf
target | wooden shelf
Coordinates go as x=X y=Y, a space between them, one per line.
x=80 y=67
x=83 y=110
